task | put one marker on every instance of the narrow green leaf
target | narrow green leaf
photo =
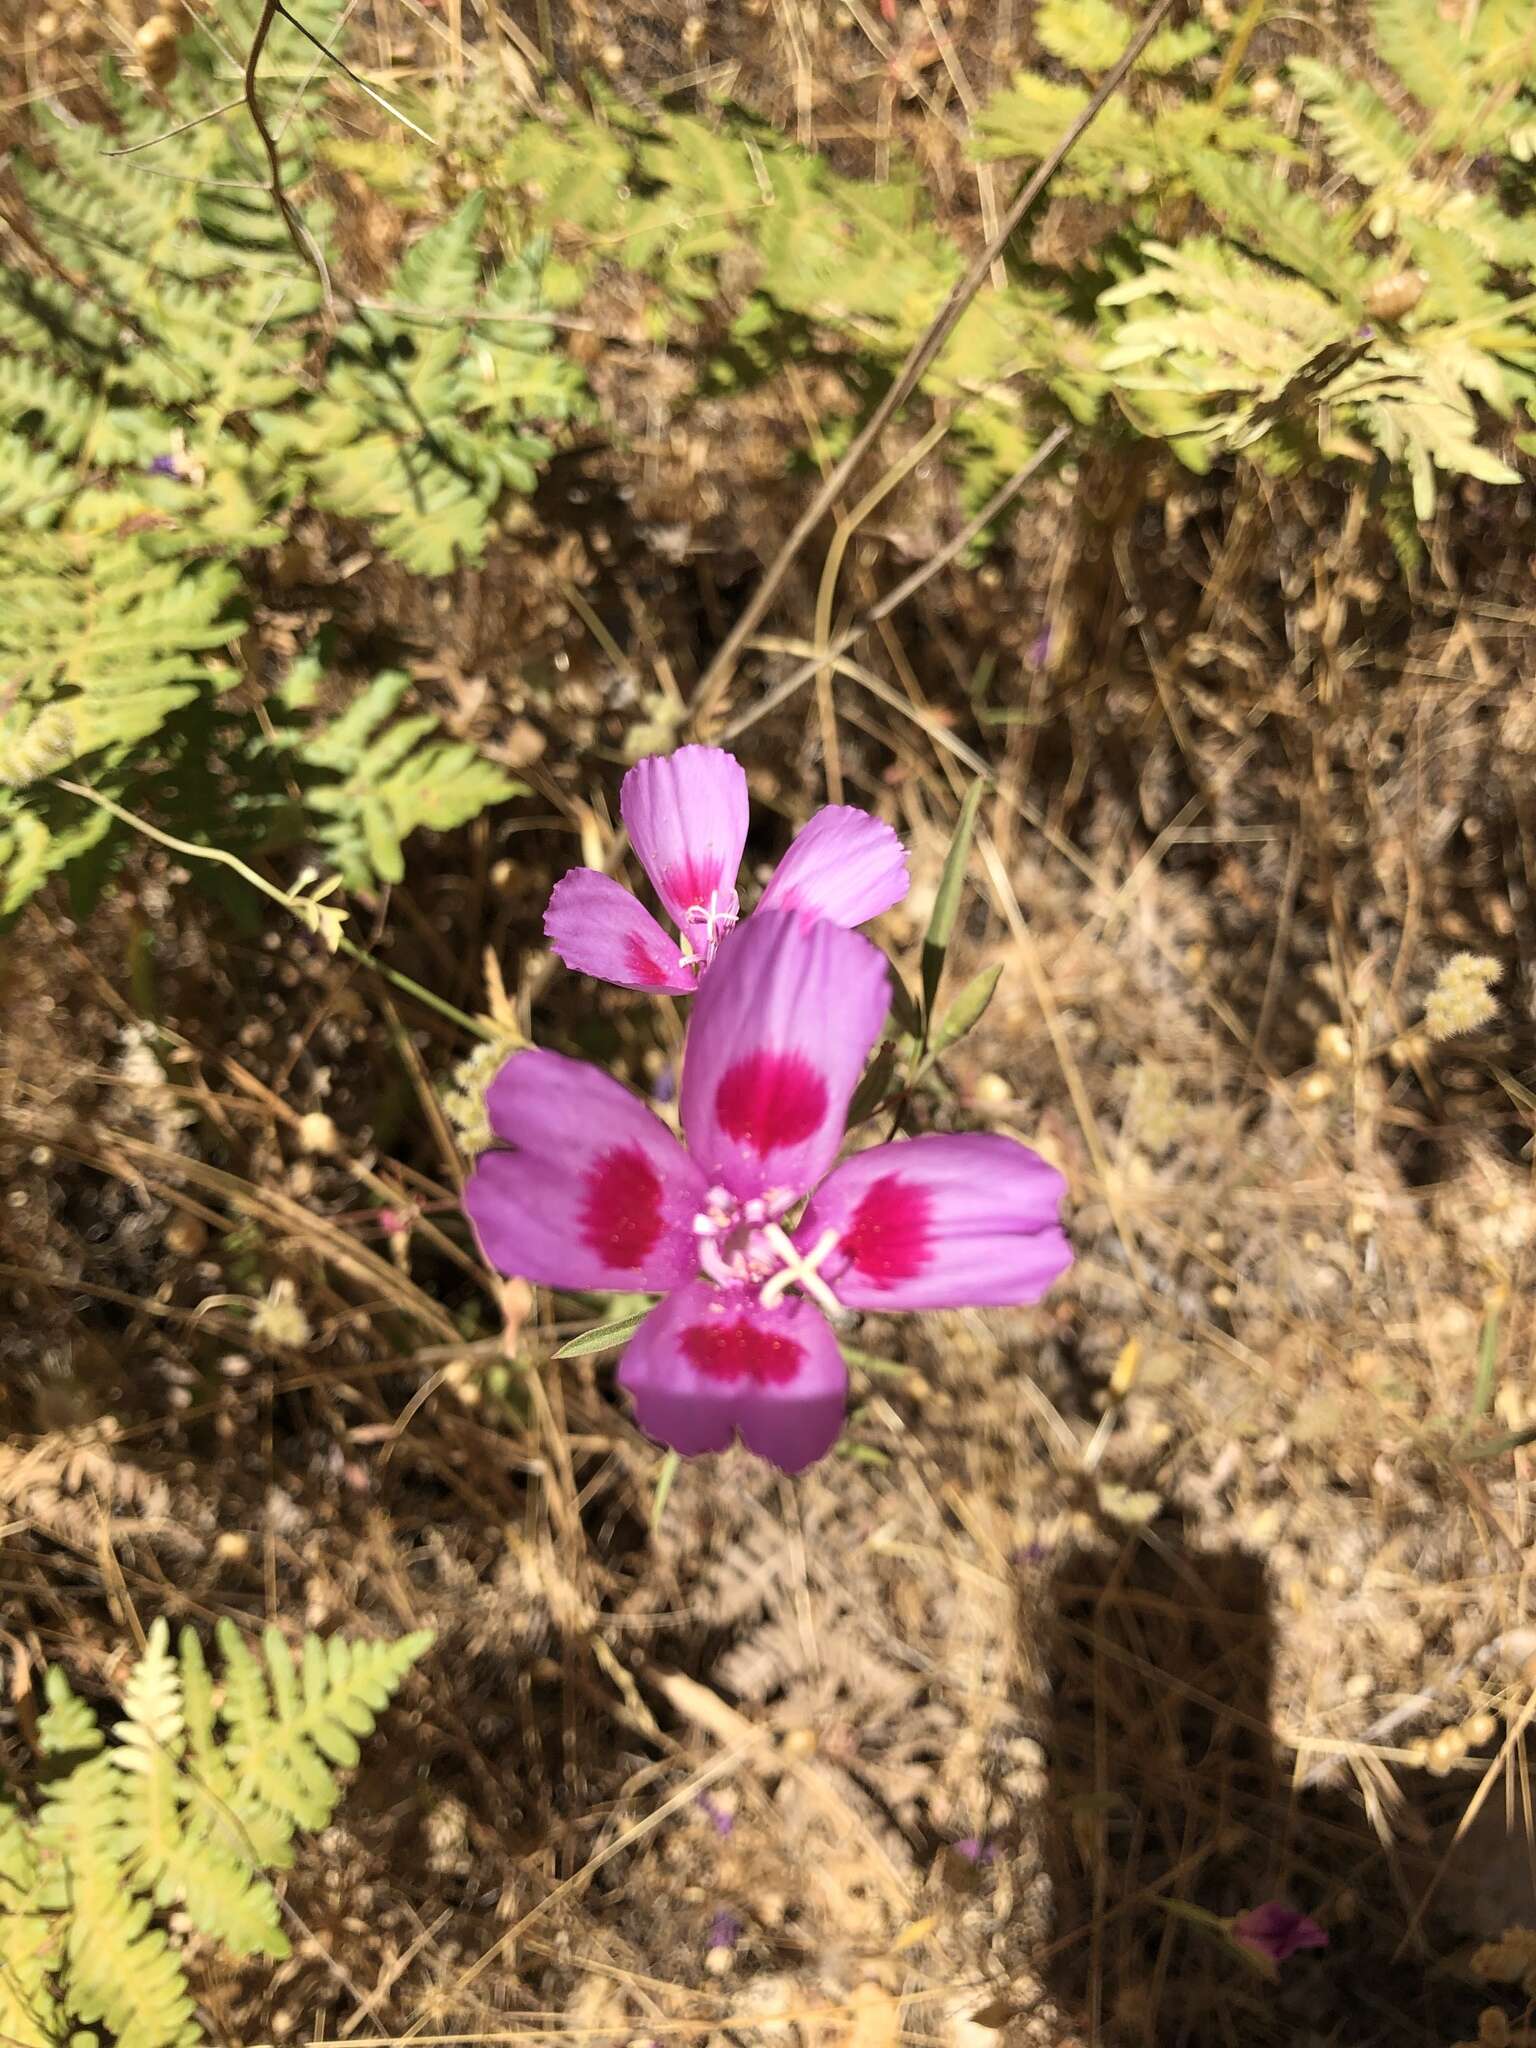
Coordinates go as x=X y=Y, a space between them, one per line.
x=967 y=1010
x=604 y=1338
x=664 y=1481
x=946 y=904
x=868 y=1361
x=1488 y=1359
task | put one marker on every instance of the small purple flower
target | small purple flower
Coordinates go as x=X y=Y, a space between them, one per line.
x=1040 y=648
x=724 y=1931
x=597 y=1195
x=168 y=465
x=1275 y=1932
x=687 y=819
x=664 y=1087
x=975 y=1850
x=719 y=1819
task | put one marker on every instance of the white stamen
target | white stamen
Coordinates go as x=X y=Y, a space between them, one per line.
x=798 y=1271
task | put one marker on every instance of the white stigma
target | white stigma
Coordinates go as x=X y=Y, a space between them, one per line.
x=716 y=923
x=798 y=1271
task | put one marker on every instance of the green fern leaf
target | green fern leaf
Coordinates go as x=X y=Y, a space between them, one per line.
x=275 y=1743
x=1288 y=226
x=29 y=1943
x=1364 y=135
x=117 y=1966
x=1091 y=35
x=391 y=778
x=69 y=1727
x=1429 y=55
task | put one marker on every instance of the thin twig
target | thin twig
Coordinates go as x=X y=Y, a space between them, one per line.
x=341 y=64
x=920 y=359
x=181 y=128
x=298 y=234
x=908 y=587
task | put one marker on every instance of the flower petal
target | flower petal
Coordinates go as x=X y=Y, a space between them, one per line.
x=598 y=928
x=709 y=1362
x=844 y=866
x=781 y=1028
x=687 y=818
x=941 y=1222
x=597 y=1193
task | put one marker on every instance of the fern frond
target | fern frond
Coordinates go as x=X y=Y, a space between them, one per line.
x=1467 y=110
x=117 y=1965
x=279 y=1742
x=1288 y=226
x=1363 y=134
x=29 y=2011
x=69 y=1727
x=1090 y=35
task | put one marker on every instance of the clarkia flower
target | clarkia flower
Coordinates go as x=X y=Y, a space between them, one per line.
x=596 y=1193
x=1275 y=1932
x=686 y=814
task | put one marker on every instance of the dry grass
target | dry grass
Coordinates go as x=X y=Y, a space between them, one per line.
x=1178 y=1593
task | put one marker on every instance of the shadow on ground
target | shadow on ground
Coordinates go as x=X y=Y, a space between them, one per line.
x=1170 y=1809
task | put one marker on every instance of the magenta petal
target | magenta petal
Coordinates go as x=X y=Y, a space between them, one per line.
x=782 y=1025
x=597 y=1194
x=598 y=928
x=844 y=866
x=942 y=1222
x=1276 y=1931
x=709 y=1363
x=687 y=819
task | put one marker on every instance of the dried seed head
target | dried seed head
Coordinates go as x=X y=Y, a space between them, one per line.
x=186 y=1236
x=1333 y=1046
x=1462 y=999
x=279 y=1319
x=156 y=45
x=1392 y=298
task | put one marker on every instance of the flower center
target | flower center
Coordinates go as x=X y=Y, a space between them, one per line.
x=704 y=926
x=744 y=1245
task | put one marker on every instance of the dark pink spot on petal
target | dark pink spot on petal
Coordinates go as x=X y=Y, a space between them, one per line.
x=771 y=1099
x=620 y=1216
x=693 y=882
x=741 y=1350
x=888 y=1236
x=643 y=963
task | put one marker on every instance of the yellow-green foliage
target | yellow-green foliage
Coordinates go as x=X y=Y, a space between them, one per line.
x=1336 y=278
x=372 y=780
x=170 y=401
x=193 y=1794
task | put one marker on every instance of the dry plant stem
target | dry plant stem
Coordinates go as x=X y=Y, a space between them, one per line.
x=925 y=350
x=826 y=594
x=298 y=234
x=908 y=587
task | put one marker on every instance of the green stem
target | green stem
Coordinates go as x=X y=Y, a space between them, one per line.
x=311 y=911
x=404 y=983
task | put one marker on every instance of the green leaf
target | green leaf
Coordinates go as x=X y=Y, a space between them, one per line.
x=665 y=1479
x=946 y=904
x=966 y=1011
x=1091 y=36
x=605 y=1338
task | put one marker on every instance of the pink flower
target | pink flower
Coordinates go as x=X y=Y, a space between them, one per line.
x=596 y=1193
x=1275 y=1932
x=687 y=819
